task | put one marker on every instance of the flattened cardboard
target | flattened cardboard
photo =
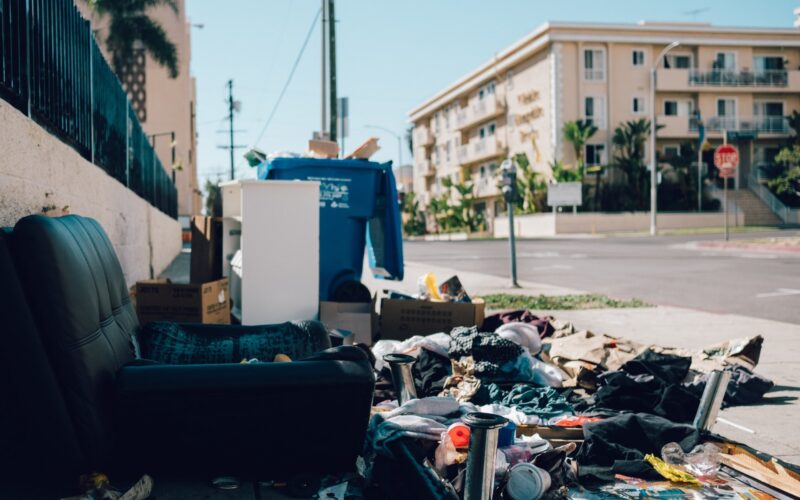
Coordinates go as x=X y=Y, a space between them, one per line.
x=401 y=319
x=206 y=262
x=195 y=303
x=359 y=318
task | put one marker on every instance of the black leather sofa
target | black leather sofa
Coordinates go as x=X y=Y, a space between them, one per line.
x=77 y=399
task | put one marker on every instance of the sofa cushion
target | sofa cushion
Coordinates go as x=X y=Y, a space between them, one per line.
x=180 y=344
x=76 y=290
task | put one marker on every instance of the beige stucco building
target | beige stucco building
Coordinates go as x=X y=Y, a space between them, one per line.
x=163 y=104
x=744 y=80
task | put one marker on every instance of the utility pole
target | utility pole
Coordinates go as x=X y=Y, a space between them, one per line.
x=230 y=121
x=332 y=68
x=324 y=36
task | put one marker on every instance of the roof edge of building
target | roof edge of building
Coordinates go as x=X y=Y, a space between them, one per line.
x=541 y=31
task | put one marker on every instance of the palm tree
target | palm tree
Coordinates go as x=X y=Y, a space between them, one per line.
x=629 y=140
x=578 y=133
x=130 y=25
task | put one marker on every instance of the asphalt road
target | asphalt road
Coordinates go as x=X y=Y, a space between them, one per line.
x=667 y=270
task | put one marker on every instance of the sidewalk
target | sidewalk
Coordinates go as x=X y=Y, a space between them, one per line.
x=774 y=421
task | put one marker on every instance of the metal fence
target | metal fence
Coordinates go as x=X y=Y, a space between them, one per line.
x=52 y=69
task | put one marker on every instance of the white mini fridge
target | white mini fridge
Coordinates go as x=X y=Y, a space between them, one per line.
x=270 y=249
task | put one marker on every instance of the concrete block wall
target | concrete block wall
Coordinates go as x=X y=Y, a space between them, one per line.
x=38 y=171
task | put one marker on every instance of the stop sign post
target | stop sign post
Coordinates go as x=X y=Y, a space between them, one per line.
x=726 y=159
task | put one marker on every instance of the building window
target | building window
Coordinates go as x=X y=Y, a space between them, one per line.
x=677 y=61
x=768 y=63
x=487 y=130
x=725 y=61
x=594 y=111
x=672 y=152
x=510 y=80
x=436 y=121
x=678 y=108
x=510 y=120
x=637 y=57
x=594 y=64
x=486 y=91
x=447 y=118
x=595 y=154
x=768 y=108
x=726 y=107
x=637 y=105
x=449 y=150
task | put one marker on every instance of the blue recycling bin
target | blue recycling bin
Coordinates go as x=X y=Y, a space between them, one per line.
x=358 y=207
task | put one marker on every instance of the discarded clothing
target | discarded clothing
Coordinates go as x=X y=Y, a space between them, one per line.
x=493 y=322
x=650 y=383
x=583 y=355
x=489 y=350
x=617 y=445
x=430 y=372
x=542 y=402
x=513 y=414
x=745 y=387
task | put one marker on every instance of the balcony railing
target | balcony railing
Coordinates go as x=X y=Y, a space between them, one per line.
x=480 y=149
x=762 y=124
x=52 y=70
x=594 y=74
x=479 y=111
x=730 y=78
x=485 y=187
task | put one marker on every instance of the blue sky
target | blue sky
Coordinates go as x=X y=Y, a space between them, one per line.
x=391 y=55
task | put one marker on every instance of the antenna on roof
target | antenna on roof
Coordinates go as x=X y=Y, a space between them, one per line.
x=694 y=12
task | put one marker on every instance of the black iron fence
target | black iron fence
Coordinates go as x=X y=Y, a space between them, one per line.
x=52 y=69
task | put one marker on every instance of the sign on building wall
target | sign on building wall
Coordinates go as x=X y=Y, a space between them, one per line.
x=565 y=194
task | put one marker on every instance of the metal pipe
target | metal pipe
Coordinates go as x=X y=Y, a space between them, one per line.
x=400 y=365
x=483 y=431
x=711 y=401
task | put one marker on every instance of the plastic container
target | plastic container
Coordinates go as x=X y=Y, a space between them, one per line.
x=358 y=207
x=526 y=482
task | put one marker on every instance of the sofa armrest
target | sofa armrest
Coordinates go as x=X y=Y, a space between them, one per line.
x=266 y=420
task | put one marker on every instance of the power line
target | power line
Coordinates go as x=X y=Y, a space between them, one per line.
x=289 y=79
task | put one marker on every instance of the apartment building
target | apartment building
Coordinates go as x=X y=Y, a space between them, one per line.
x=741 y=80
x=164 y=105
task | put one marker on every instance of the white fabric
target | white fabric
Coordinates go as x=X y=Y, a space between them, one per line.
x=523 y=334
x=512 y=414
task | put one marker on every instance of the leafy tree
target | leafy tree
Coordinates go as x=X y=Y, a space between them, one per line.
x=562 y=173
x=531 y=186
x=415 y=222
x=578 y=134
x=213 y=199
x=130 y=25
x=787 y=184
x=794 y=124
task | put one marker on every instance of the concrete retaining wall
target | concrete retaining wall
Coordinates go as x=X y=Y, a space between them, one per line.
x=39 y=172
x=541 y=225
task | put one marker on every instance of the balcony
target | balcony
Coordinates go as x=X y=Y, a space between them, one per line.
x=480 y=149
x=758 y=124
x=722 y=78
x=423 y=136
x=424 y=168
x=697 y=80
x=478 y=111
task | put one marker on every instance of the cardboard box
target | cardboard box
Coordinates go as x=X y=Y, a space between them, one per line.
x=359 y=318
x=206 y=263
x=401 y=319
x=194 y=303
x=321 y=148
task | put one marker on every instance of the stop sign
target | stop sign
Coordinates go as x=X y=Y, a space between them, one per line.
x=726 y=157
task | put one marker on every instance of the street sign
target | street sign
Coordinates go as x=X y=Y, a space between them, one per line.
x=726 y=157
x=565 y=194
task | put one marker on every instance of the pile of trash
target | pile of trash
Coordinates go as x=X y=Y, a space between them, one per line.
x=569 y=408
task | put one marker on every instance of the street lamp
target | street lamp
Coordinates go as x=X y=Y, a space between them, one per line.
x=399 y=141
x=653 y=167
